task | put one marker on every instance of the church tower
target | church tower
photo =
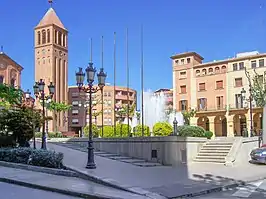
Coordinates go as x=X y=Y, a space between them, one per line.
x=51 y=60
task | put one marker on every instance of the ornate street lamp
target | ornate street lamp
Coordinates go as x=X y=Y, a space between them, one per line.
x=243 y=94
x=39 y=93
x=90 y=74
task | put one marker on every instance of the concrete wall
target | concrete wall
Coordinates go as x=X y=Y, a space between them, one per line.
x=171 y=150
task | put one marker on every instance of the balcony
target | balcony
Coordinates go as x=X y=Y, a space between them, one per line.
x=216 y=108
x=124 y=97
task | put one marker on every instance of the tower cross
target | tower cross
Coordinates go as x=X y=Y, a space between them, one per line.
x=50 y=2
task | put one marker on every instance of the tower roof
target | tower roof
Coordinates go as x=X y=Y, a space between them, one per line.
x=50 y=18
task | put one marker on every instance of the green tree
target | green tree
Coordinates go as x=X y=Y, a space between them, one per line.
x=258 y=86
x=188 y=115
x=162 y=129
x=95 y=131
x=57 y=107
x=10 y=96
x=122 y=130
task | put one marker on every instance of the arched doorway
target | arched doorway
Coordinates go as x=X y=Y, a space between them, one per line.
x=220 y=125
x=240 y=125
x=257 y=123
x=204 y=123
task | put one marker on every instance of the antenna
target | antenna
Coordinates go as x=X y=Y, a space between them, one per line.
x=91 y=50
x=51 y=3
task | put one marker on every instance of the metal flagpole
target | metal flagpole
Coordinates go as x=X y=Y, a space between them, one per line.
x=142 y=85
x=127 y=69
x=114 y=83
x=102 y=89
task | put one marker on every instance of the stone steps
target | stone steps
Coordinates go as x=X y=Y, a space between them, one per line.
x=214 y=151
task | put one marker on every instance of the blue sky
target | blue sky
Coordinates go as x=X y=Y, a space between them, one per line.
x=216 y=29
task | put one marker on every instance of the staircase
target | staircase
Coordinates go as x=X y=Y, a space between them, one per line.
x=214 y=151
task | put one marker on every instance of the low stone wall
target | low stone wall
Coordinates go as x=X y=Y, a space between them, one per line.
x=170 y=150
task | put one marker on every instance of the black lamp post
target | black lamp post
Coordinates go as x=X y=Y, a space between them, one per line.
x=39 y=93
x=243 y=94
x=90 y=71
x=30 y=102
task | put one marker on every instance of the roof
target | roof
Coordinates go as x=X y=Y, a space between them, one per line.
x=5 y=56
x=181 y=55
x=162 y=90
x=50 y=18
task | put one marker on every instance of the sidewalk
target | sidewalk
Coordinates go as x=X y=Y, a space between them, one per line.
x=167 y=181
x=70 y=186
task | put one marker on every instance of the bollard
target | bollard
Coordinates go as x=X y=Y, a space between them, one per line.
x=175 y=126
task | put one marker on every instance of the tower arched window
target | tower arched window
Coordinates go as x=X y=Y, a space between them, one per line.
x=55 y=36
x=64 y=40
x=48 y=36
x=59 y=38
x=43 y=36
x=13 y=82
x=1 y=79
x=39 y=37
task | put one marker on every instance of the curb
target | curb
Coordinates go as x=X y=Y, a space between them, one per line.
x=116 y=185
x=45 y=188
x=53 y=171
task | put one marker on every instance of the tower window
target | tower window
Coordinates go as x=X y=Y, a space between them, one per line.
x=59 y=38
x=13 y=81
x=43 y=37
x=55 y=36
x=48 y=36
x=39 y=37
x=64 y=40
x=1 y=79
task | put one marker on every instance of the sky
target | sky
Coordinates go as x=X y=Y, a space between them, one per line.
x=216 y=29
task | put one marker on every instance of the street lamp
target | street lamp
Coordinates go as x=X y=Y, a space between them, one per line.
x=30 y=102
x=243 y=94
x=80 y=75
x=39 y=93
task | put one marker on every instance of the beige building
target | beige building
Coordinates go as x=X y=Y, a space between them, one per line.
x=213 y=89
x=78 y=116
x=51 y=60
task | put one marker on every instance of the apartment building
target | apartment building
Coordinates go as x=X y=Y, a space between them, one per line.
x=168 y=93
x=78 y=115
x=213 y=89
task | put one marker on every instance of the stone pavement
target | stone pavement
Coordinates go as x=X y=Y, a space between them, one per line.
x=61 y=184
x=256 y=190
x=166 y=181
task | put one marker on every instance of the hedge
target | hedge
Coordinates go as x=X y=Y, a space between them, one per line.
x=122 y=130
x=162 y=129
x=191 y=131
x=50 y=135
x=36 y=157
x=137 y=131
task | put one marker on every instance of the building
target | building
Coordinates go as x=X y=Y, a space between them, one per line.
x=213 y=89
x=10 y=71
x=51 y=60
x=78 y=115
x=168 y=93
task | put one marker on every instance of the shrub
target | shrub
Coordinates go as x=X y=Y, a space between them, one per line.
x=191 y=131
x=108 y=131
x=7 y=141
x=137 y=131
x=95 y=131
x=50 y=135
x=208 y=134
x=122 y=130
x=36 y=157
x=162 y=129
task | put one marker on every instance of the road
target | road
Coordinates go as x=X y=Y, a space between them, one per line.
x=10 y=191
x=252 y=190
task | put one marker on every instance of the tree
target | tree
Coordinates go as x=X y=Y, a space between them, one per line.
x=258 y=88
x=58 y=107
x=162 y=129
x=95 y=131
x=10 y=96
x=187 y=115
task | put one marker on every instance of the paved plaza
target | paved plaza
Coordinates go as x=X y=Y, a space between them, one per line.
x=163 y=180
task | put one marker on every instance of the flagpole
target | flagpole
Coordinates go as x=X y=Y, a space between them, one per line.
x=102 y=88
x=127 y=75
x=114 y=93
x=142 y=85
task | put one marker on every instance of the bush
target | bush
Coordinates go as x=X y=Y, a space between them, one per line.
x=137 y=131
x=50 y=135
x=122 y=130
x=36 y=157
x=95 y=131
x=208 y=134
x=7 y=141
x=191 y=131
x=108 y=131
x=162 y=129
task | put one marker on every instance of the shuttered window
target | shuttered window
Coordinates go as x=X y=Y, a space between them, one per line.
x=202 y=87
x=238 y=82
x=219 y=84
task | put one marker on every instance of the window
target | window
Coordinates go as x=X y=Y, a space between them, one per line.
x=238 y=82
x=202 y=104
x=75 y=95
x=223 y=68
x=241 y=65
x=219 y=84
x=177 y=61
x=239 y=101
x=202 y=87
x=75 y=112
x=1 y=79
x=188 y=60
x=253 y=64
x=59 y=38
x=75 y=121
x=64 y=40
x=43 y=36
x=12 y=82
x=55 y=36
x=39 y=38
x=261 y=62
x=183 y=74
x=210 y=70
x=219 y=102
x=204 y=71
x=182 y=61
x=75 y=103
x=197 y=72
x=183 y=89
x=183 y=105
x=235 y=66
x=48 y=36
x=217 y=70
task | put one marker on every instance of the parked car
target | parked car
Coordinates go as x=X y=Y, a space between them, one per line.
x=259 y=155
